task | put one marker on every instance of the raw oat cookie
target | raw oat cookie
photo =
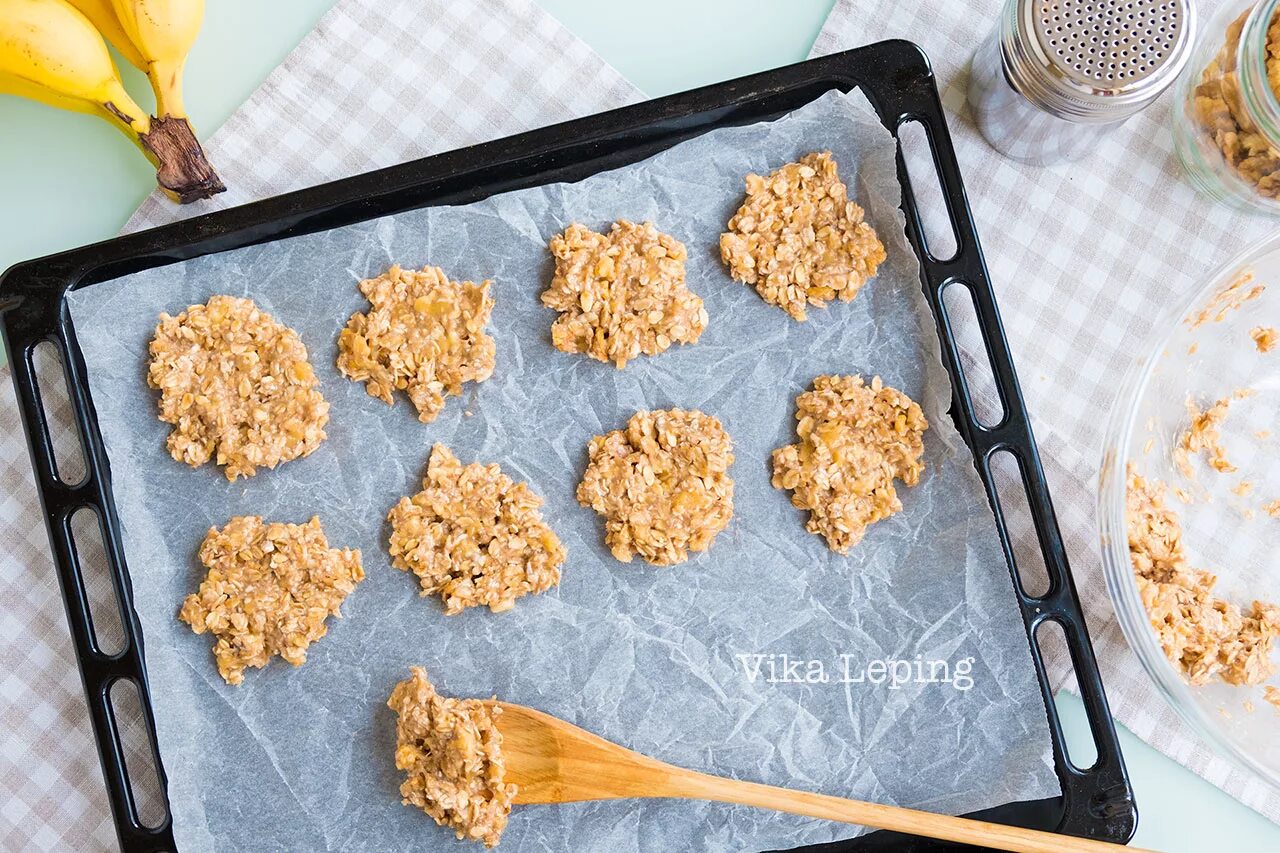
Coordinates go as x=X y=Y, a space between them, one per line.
x=799 y=239
x=451 y=753
x=1204 y=636
x=424 y=335
x=268 y=591
x=237 y=387
x=622 y=294
x=855 y=440
x=474 y=536
x=662 y=485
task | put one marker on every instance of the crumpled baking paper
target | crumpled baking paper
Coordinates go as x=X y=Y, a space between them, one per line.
x=658 y=659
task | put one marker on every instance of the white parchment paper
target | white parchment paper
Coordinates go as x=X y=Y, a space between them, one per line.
x=301 y=759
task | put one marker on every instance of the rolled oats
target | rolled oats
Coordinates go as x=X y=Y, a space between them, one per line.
x=621 y=294
x=1204 y=636
x=1272 y=695
x=268 y=591
x=1219 y=107
x=1265 y=338
x=799 y=239
x=1231 y=296
x=1203 y=435
x=424 y=335
x=474 y=537
x=451 y=753
x=855 y=440
x=237 y=387
x=662 y=485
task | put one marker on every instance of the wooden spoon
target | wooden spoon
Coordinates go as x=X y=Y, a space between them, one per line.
x=551 y=761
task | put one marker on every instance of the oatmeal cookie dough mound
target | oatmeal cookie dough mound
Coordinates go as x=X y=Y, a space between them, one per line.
x=451 y=753
x=799 y=239
x=1204 y=636
x=268 y=591
x=424 y=335
x=662 y=485
x=474 y=537
x=855 y=440
x=622 y=294
x=237 y=387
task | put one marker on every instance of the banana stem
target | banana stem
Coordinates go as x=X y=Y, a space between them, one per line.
x=166 y=80
x=182 y=170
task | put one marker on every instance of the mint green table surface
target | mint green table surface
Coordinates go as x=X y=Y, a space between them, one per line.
x=68 y=179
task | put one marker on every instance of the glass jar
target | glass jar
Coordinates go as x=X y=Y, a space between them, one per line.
x=1226 y=123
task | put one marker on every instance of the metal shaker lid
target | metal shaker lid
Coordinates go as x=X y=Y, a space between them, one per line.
x=1096 y=60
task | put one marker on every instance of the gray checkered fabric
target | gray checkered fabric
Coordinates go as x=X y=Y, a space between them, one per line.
x=378 y=82
x=1084 y=258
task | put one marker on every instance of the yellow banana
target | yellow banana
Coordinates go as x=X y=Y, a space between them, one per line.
x=103 y=16
x=153 y=35
x=51 y=52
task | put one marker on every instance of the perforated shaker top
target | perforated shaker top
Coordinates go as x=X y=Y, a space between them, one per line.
x=1110 y=44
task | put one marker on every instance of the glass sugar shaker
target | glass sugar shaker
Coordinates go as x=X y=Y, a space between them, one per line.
x=1055 y=76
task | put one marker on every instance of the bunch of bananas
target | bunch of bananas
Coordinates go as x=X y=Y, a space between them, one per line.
x=55 y=51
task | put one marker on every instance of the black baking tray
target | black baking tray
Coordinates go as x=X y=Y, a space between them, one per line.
x=1096 y=802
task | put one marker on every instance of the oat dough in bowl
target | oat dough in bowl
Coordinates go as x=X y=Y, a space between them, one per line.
x=929 y=580
x=1190 y=475
x=1206 y=637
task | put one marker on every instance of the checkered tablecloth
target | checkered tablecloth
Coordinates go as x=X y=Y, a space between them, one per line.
x=1082 y=257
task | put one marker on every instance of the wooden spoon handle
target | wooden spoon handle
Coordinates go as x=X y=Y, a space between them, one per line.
x=942 y=827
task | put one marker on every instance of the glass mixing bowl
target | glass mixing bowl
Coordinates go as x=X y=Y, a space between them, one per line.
x=1226 y=529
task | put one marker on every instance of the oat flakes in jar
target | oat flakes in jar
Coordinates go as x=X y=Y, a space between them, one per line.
x=1227 y=121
